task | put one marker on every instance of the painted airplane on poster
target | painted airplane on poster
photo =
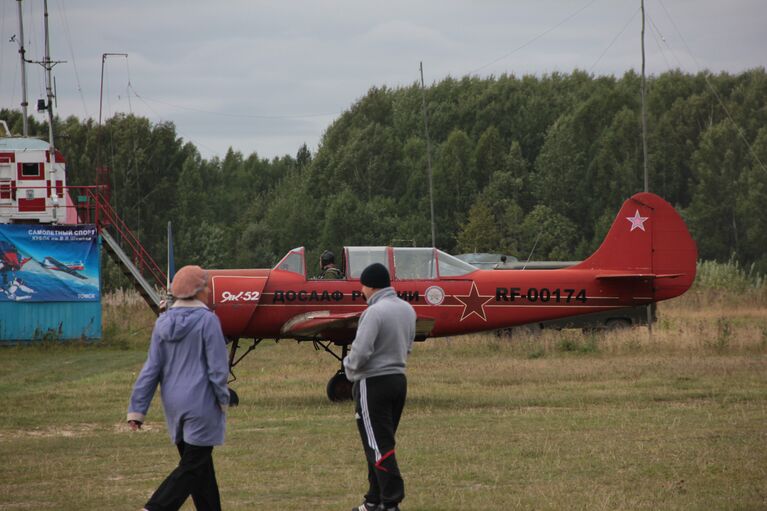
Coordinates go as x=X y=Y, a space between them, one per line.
x=647 y=256
x=49 y=263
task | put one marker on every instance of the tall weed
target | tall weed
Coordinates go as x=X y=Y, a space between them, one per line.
x=729 y=276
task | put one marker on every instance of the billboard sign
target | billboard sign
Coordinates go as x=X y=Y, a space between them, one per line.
x=49 y=263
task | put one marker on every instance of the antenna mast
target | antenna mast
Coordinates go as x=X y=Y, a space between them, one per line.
x=103 y=60
x=48 y=64
x=22 y=51
x=428 y=158
x=644 y=148
x=644 y=110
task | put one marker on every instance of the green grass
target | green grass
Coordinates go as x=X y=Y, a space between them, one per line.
x=558 y=421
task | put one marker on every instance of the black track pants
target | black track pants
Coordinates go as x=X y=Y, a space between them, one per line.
x=378 y=404
x=194 y=476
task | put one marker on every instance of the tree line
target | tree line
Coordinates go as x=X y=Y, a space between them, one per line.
x=524 y=165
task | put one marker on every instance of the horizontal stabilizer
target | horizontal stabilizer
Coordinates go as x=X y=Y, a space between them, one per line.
x=638 y=276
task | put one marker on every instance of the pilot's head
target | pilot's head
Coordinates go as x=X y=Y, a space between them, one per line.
x=327 y=258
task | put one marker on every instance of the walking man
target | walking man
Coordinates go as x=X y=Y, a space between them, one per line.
x=376 y=365
x=188 y=359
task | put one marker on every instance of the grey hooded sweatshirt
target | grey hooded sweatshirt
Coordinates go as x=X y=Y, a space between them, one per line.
x=188 y=358
x=384 y=337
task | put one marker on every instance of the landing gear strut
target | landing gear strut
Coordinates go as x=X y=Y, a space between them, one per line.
x=233 y=352
x=338 y=389
x=234 y=399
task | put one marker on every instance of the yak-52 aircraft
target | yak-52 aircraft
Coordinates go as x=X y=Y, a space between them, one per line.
x=49 y=263
x=647 y=256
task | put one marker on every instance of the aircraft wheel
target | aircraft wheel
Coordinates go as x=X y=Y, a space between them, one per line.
x=234 y=399
x=339 y=388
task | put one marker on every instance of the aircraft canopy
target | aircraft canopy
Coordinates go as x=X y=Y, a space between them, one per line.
x=408 y=263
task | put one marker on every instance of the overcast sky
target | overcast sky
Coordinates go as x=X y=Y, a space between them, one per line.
x=267 y=77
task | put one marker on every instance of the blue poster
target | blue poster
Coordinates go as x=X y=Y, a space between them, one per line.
x=49 y=263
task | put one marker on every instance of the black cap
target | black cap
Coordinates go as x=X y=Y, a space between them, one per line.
x=376 y=276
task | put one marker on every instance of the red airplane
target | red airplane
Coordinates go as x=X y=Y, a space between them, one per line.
x=647 y=256
x=49 y=263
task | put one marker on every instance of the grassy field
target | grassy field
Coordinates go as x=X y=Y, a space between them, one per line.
x=557 y=421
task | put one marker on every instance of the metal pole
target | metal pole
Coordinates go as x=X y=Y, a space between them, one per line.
x=644 y=147
x=49 y=93
x=644 y=110
x=22 y=51
x=428 y=158
x=48 y=64
x=101 y=102
x=101 y=94
x=48 y=82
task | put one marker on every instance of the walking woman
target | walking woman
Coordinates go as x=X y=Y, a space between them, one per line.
x=188 y=358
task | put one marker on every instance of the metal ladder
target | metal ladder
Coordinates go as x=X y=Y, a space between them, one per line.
x=144 y=287
x=125 y=248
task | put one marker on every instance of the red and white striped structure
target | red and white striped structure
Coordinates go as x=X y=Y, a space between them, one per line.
x=32 y=183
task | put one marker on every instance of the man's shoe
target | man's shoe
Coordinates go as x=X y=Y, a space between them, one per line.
x=367 y=506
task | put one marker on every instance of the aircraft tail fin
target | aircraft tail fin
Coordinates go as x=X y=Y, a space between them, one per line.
x=647 y=240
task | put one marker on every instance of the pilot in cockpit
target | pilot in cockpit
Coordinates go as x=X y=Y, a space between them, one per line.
x=329 y=269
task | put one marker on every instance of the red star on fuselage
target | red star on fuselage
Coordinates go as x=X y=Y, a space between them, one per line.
x=473 y=303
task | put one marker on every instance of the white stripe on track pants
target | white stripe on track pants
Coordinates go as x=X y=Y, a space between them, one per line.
x=378 y=403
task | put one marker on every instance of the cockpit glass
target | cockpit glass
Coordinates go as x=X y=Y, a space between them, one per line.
x=361 y=257
x=293 y=262
x=450 y=266
x=414 y=263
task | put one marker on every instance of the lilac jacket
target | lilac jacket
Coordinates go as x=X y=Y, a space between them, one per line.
x=188 y=358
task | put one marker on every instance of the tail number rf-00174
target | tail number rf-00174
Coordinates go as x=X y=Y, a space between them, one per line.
x=543 y=294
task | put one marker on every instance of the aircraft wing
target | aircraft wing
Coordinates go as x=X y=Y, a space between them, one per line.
x=73 y=273
x=313 y=324
x=337 y=326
